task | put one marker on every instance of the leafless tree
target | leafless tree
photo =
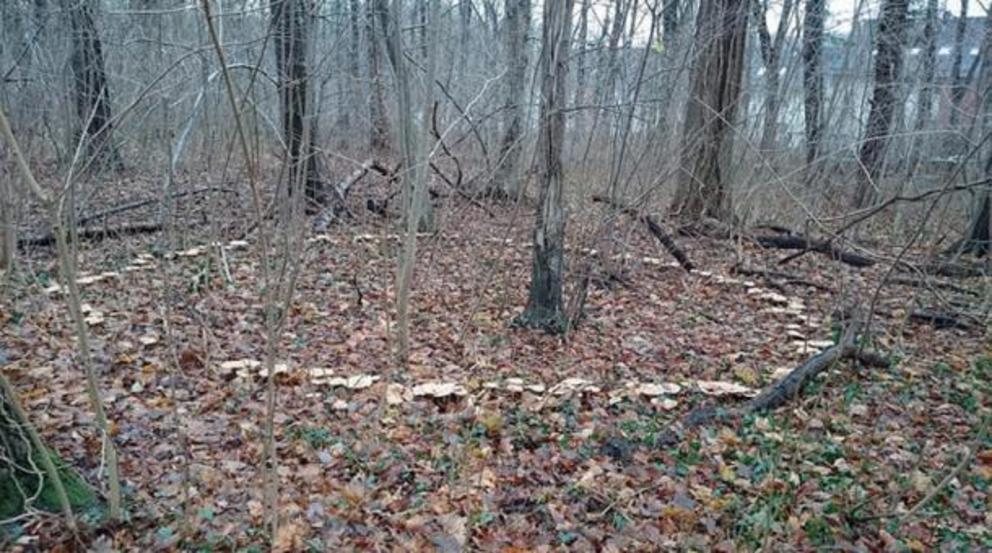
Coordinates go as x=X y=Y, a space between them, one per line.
x=545 y=303
x=889 y=44
x=813 y=74
x=92 y=94
x=290 y=24
x=721 y=31
x=515 y=27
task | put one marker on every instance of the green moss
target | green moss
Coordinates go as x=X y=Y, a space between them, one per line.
x=12 y=492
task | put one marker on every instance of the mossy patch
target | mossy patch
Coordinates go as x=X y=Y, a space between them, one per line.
x=16 y=485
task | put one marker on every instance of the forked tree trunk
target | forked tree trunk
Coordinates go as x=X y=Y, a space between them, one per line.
x=92 y=95
x=813 y=75
x=506 y=181
x=545 y=304
x=378 y=124
x=290 y=22
x=888 y=68
x=714 y=91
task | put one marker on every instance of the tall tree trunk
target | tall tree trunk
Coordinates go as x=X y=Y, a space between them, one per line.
x=813 y=75
x=889 y=43
x=714 y=92
x=378 y=122
x=771 y=51
x=93 y=102
x=958 y=87
x=416 y=156
x=409 y=144
x=354 y=53
x=505 y=181
x=670 y=17
x=465 y=32
x=290 y=24
x=581 y=62
x=545 y=304
x=924 y=105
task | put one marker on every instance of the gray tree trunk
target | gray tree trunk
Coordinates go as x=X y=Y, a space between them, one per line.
x=545 y=304
x=378 y=122
x=506 y=179
x=93 y=102
x=290 y=25
x=888 y=69
x=714 y=92
x=813 y=75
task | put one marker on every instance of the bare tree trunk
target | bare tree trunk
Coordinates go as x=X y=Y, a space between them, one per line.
x=924 y=109
x=505 y=181
x=771 y=51
x=390 y=18
x=93 y=102
x=378 y=123
x=8 y=230
x=416 y=157
x=888 y=68
x=813 y=75
x=545 y=303
x=290 y=24
x=354 y=54
x=958 y=87
x=581 y=62
x=715 y=89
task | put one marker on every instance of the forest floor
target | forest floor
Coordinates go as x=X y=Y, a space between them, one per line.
x=498 y=438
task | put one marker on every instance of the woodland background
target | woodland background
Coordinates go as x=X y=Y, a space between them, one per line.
x=499 y=275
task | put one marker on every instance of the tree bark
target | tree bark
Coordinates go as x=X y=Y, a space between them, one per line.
x=545 y=303
x=888 y=68
x=771 y=51
x=505 y=180
x=812 y=75
x=924 y=104
x=92 y=95
x=957 y=78
x=290 y=25
x=715 y=88
x=408 y=135
x=378 y=123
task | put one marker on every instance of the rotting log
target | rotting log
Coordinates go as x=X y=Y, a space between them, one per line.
x=94 y=234
x=116 y=210
x=804 y=244
x=331 y=213
x=942 y=320
x=788 y=387
x=666 y=240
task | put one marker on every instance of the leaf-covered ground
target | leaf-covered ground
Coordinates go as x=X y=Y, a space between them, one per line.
x=532 y=442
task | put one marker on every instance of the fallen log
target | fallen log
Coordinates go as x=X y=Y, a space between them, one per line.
x=94 y=234
x=788 y=387
x=666 y=240
x=116 y=210
x=941 y=320
x=804 y=244
x=331 y=213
